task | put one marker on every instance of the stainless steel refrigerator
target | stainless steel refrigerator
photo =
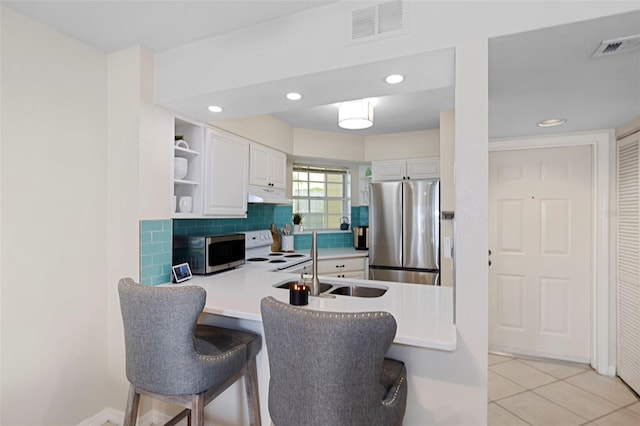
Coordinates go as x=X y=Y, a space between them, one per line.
x=404 y=227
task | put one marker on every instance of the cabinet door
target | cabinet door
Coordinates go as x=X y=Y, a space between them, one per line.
x=260 y=160
x=423 y=168
x=389 y=170
x=341 y=265
x=279 y=169
x=226 y=175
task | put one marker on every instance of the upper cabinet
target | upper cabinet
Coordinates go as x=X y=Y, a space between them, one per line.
x=187 y=169
x=211 y=172
x=418 y=168
x=268 y=167
x=226 y=174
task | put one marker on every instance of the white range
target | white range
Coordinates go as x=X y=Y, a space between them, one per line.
x=258 y=254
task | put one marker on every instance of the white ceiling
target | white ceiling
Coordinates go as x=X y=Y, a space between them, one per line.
x=532 y=76
x=112 y=25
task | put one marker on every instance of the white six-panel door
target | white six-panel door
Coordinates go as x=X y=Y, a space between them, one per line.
x=540 y=236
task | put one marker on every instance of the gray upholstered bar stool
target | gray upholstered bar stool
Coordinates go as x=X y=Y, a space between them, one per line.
x=329 y=368
x=171 y=358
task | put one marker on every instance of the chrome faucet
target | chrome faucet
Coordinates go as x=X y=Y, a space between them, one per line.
x=315 y=284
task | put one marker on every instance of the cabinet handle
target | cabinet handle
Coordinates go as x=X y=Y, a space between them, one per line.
x=339 y=266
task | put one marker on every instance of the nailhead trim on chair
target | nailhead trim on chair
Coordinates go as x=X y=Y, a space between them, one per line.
x=227 y=354
x=395 y=394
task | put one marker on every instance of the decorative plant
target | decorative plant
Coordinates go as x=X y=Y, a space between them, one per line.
x=179 y=137
x=297 y=218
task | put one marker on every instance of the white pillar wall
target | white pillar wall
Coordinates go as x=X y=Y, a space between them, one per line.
x=471 y=177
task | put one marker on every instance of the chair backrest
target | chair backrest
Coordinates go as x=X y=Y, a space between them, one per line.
x=325 y=366
x=159 y=323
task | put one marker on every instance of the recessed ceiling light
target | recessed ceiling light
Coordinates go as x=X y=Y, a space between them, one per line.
x=293 y=96
x=215 y=108
x=551 y=122
x=394 y=78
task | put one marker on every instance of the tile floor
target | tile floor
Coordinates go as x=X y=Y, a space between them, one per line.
x=542 y=393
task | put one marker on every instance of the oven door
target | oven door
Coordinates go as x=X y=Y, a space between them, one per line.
x=299 y=268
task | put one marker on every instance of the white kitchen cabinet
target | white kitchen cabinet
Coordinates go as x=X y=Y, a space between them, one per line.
x=226 y=174
x=417 y=168
x=268 y=167
x=343 y=267
x=190 y=147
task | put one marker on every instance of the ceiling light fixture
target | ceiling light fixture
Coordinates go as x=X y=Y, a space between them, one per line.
x=293 y=96
x=355 y=115
x=215 y=108
x=551 y=122
x=394 y=78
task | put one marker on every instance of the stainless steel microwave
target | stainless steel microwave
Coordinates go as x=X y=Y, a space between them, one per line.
x=209 y=254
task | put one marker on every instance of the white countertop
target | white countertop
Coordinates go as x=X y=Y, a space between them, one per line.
x=339 y=252
x=424 y=314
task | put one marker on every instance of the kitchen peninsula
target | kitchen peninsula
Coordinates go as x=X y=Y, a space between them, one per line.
x=424 y=315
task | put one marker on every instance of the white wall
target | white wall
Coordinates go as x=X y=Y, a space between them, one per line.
x=156 y=127
x=139 y=185
x=264 y=129
x=54 y=181
x=397 y=146
x=332 y=145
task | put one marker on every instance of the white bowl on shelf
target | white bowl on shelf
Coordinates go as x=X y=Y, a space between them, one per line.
x=180 y=167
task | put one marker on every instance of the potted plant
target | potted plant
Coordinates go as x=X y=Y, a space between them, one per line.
x=297 y=221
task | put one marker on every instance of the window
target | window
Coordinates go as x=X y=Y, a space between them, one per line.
x=321 y=196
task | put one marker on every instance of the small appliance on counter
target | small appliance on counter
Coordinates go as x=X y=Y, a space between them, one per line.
x=361 y=237
x=209 y=254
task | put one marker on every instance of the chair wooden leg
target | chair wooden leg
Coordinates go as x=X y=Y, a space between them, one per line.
x=197 y=409
x=253 y=398
x=131 y=412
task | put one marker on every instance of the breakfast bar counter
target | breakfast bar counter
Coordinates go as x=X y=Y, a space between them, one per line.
x=424 y=314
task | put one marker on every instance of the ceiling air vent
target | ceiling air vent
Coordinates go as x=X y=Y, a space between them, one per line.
x=380 y=20
x=619 y=45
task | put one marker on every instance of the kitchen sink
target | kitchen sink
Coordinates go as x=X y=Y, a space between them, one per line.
x=323 y=287
x=349 y=290
x=359 y=291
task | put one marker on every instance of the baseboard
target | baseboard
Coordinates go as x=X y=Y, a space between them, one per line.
x=116 y=417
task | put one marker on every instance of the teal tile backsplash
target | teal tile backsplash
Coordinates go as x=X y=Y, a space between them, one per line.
x=325 y=240
x=259 y=216
x=156 y=236
x=156 y=240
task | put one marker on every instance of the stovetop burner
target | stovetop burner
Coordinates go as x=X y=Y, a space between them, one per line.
x=258 y=253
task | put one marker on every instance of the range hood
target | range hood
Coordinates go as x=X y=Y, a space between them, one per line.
x=265 y=195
